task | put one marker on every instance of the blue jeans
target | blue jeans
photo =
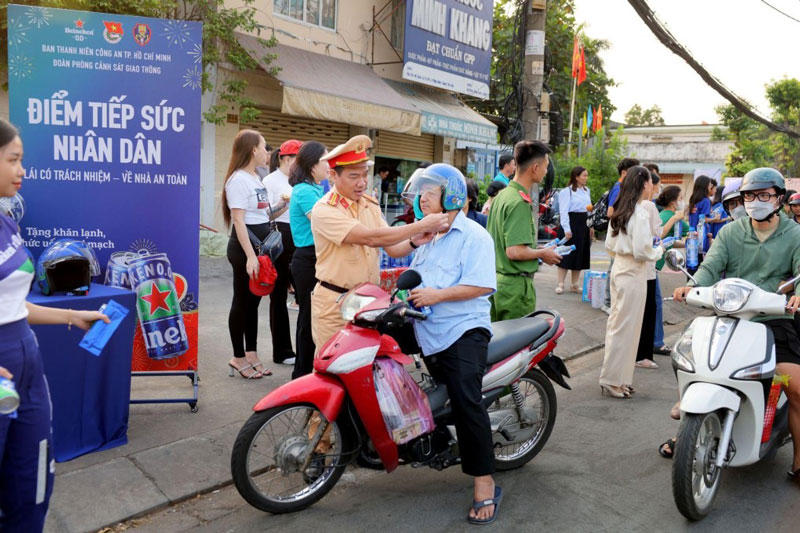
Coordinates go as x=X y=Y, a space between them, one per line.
x=658 y=339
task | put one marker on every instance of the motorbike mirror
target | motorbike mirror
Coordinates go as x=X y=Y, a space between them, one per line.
x=675 y=260
x=408 y=280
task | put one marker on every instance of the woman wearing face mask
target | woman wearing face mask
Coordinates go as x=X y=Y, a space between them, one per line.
x=794 y=207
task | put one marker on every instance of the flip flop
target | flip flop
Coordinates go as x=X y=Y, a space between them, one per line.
x=498 y=497
x=663 y=350
x=664 y=451
x=646 y=363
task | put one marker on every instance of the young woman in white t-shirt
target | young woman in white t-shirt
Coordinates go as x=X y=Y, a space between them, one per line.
x=244 y=204
x=26 y=441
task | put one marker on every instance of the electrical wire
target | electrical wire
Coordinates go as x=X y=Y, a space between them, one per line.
x=669 y=40
x=787 y=15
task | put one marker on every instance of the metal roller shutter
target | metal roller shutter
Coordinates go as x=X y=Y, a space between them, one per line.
x=402 y=146
x=277 y=127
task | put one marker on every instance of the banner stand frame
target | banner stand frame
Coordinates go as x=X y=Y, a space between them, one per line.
x=193 y=375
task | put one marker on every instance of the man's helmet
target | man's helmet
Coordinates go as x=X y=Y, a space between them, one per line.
x=66 y=265
x=763 y=178
x=13 y=207
x=448 y=177
x=794 y=199
x=730 y=192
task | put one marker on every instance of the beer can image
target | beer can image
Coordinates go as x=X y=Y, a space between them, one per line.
x=117 y=270
x=158 y=307
x=9 y=399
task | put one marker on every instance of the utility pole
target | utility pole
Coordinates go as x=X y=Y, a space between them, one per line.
x=535 y=127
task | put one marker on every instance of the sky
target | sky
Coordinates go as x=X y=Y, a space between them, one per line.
x=744 y=43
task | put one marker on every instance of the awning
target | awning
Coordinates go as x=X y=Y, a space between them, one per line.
x=445 y=115
x=326 y=88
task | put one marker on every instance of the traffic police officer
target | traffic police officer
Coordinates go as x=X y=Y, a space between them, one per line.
x=348 y=229
x=513 y=228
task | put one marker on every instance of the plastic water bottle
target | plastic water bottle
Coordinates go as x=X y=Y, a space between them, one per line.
x=565 y=250
x=701 y=233
x=553 y=244
x=677 y=230
x=692 y=259
x=667 y=242
x=9 y=399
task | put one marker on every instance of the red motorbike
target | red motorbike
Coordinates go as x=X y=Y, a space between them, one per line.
x=295 y=446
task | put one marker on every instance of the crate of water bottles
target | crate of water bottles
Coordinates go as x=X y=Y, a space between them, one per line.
x=388 y=262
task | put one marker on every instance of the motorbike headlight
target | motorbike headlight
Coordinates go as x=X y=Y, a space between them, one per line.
x=682 y=357
x=353 y=303
x=730 y=296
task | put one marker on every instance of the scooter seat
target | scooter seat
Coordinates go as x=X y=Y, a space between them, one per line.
x=510 y=336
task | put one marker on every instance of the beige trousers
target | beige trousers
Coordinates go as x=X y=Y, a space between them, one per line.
x=628 y=299
x=326 y=319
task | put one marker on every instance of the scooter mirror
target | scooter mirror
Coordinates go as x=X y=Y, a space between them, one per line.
x=675 y=260
x=408 y=280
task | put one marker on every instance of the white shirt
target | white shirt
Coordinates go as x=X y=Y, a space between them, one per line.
x=655 y=229
x=244 y=191
x=277 y=184
x=570 y=201
x=638 y=241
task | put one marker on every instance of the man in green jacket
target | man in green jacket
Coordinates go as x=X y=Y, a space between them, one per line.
x=763 y=249
x=513 y=228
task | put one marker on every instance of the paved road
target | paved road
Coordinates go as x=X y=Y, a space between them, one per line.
x=600 y=471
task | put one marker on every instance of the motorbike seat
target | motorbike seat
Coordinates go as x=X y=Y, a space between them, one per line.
x=510 y=336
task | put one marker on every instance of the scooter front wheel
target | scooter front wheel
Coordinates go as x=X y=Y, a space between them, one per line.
x=270 y=465
x=695 y=476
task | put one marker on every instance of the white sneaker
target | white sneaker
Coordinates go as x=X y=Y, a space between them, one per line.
x=288 y=361
x=606 y=309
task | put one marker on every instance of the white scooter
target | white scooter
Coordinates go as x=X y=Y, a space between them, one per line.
x=724 y=365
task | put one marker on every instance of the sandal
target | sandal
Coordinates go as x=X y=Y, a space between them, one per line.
x=560 y=288
x=255 y=374
x=663 y=350
x=264 y=371
x=646 y=363
x=498 y=497
x=667 y=450
x=575 y=288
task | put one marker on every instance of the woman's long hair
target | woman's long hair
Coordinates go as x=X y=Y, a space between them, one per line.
x=573 y=177
x=7 y=133
x=309 y=155
x=669 y=194
x=244 y=144
x=630 y=192
x=274 y=160
x=700 y=191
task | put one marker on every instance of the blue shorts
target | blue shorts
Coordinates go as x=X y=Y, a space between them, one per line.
x=26 y=442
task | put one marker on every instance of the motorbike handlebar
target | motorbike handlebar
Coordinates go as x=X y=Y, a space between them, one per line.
x=410 y=313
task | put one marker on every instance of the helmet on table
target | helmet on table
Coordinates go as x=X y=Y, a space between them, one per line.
x=67 y=265
x=794 y=199
x=447 y=177
x=763 y=178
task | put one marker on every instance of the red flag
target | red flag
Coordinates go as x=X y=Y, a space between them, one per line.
x=576 y=57
x=582 y=68
x=594 y=120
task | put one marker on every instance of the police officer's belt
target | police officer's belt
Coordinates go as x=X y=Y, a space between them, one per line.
x=519 y=274
x=334 y=288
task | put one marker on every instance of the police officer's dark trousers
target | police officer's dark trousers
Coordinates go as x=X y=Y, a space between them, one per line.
x=26 y=442
x=460 y=368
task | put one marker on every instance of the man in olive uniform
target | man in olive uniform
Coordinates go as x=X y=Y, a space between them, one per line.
x=348 y=229
x=513 y=228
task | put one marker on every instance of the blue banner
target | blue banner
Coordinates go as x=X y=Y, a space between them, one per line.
x=108 y=108
x=448 y=44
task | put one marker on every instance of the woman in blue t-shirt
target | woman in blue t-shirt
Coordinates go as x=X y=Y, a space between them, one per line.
x=700 y=204
x=26 y=442
x=305 y=177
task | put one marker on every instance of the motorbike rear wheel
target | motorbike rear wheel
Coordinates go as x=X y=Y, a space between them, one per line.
x=540 y=406
x=267 y=459
x=695 y=477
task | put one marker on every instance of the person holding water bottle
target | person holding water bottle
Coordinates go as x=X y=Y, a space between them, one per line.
x=26 y=442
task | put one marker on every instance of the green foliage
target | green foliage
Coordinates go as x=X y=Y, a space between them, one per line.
x=754 y=144
x=220 y=46
x=600 y=160
x=636 y=116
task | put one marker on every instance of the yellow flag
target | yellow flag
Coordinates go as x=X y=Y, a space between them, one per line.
x=585 y=127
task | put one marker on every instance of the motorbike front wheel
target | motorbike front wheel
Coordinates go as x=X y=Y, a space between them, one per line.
x=528 y=438
x=269 y=465
x=695 y=477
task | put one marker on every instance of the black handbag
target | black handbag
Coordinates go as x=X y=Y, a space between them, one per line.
x=272 y=244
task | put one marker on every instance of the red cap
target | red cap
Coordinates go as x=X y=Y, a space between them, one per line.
x=290 y=147
x=263 y=284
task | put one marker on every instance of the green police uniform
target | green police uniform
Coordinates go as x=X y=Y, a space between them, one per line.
x=511 y=223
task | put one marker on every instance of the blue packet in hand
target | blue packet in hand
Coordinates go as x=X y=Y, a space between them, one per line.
x=100 y=333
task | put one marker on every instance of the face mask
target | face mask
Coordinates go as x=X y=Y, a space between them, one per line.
x=739 y=212
x=758 y=210
x=681 y=205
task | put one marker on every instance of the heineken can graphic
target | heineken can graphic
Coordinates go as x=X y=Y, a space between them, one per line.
x=158 y=307
x=117 y=269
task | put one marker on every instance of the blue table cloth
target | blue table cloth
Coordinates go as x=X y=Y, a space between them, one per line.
x=90 y=394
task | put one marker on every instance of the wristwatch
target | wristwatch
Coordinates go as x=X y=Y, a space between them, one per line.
x=411 y=243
